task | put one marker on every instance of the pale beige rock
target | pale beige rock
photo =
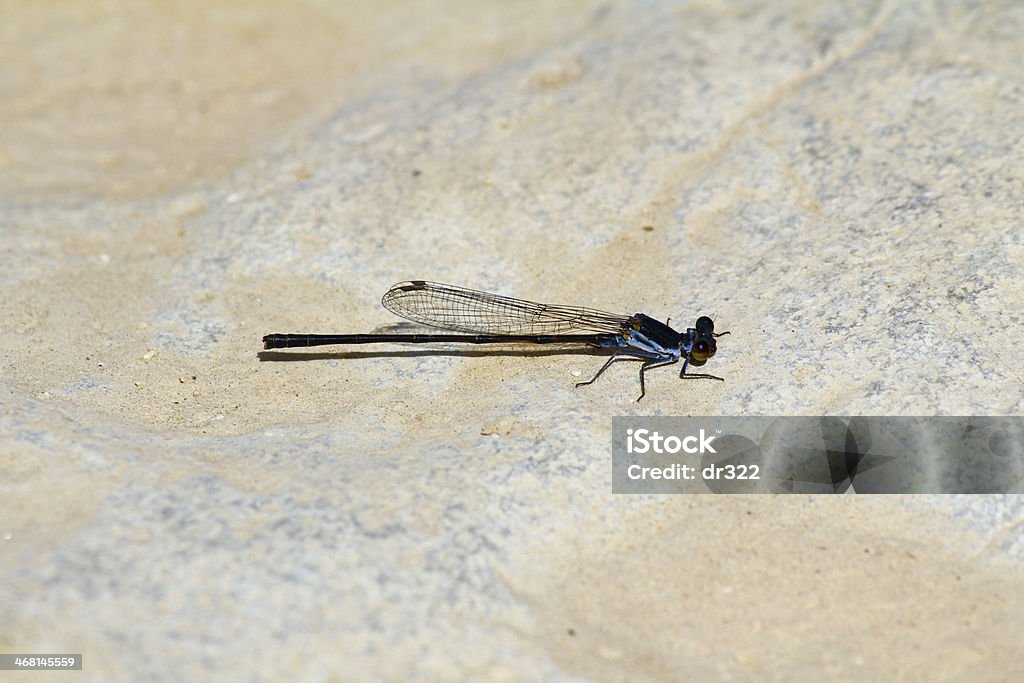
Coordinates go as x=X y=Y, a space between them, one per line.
x=839 y=185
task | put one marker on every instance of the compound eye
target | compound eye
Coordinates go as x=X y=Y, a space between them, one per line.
x=701 y=351
x=705 y=326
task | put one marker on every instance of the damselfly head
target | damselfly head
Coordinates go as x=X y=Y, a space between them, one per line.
x=702 y=346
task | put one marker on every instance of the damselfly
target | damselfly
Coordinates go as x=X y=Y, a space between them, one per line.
x=485 y=318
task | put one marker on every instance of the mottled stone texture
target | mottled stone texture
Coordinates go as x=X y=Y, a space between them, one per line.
x=839 y=184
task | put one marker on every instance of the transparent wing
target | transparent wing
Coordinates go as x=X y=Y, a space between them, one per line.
x=467 y=310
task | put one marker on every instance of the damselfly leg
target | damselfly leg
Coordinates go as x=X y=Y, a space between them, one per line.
x=618 y=356
x=653 y=363
x=647 y=364
x=693 y=375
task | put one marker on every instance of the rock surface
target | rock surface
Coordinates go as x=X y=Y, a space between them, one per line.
x=839 y=184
